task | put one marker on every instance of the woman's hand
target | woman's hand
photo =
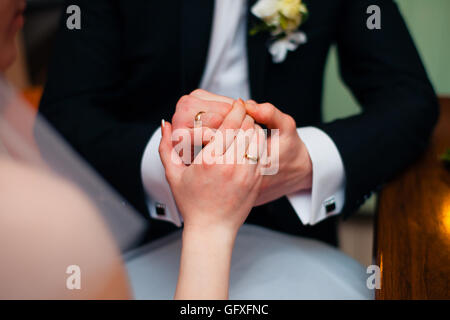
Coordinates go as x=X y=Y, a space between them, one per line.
x=217 y=195
x=214 y=195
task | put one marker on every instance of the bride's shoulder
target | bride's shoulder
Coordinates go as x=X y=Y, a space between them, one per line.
x=26 y=189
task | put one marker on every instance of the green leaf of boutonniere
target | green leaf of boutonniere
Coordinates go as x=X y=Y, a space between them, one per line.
x=260 y=28
x=305 y=17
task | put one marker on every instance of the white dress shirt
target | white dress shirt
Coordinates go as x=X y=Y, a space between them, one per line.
x=226 y=73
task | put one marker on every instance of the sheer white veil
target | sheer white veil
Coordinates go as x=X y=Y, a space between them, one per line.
x=29 y=147
x=27 y=137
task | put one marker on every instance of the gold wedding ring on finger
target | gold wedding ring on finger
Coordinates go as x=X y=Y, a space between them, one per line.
x=198 y=117
x=252 y=158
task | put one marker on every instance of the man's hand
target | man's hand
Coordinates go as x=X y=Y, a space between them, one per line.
x=215 y=110
x=295 y=166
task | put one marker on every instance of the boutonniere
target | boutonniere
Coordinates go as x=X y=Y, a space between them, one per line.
x=281 y=18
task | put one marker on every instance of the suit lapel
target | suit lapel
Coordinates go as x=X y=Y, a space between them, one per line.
x=257 y=56
x=196 y=25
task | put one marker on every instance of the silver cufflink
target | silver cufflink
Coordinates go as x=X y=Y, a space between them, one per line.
x=330 y=205
x=160 y=209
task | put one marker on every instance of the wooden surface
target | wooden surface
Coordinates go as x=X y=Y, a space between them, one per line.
x=412 y=237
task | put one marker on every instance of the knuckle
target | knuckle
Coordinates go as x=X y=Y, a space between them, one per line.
x=161 y=149
x=268 y=111
x=214 y=120
x=268 y=106
x=183 y=102
x=183 y=110
x=290 y=123
x=198 y=92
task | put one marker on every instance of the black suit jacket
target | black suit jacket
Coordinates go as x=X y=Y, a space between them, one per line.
x=111 y=83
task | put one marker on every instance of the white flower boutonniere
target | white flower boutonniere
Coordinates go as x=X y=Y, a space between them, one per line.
x=281 y=18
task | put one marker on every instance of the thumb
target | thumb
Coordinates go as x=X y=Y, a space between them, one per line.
x=268 y=115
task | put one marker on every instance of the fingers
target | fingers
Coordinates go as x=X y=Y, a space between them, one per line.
x=189 y=106
x=257 y=145
x=235 y=117
x=205 y=95
x=224 y=136
x=234 y=121
x=201 y=135
x=209 y=120
x=262 y=142
x=236 y=152
x=170 y=159
x=270 y=116
x=248 y=123
x=204 y=130
x=252 y=151
x=250 y=142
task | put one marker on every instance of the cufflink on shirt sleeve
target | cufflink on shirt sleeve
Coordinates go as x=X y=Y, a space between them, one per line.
x=330 y=205
x=160 y=209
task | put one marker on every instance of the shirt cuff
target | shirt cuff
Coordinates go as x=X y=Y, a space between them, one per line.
x=327 y=195
x=160 y=201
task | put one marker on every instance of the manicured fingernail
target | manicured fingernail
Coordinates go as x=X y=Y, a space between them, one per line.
x=241 y=102
x=163 y=124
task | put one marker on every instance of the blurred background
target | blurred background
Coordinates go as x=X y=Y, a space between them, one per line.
x=427 y=21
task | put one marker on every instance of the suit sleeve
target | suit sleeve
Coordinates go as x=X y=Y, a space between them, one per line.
x=84 y=102
x=383 y=70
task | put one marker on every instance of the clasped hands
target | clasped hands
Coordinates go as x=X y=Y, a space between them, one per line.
x=219 y=197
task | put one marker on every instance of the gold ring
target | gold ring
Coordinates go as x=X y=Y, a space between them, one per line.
x=198 y=116
x=251 y=157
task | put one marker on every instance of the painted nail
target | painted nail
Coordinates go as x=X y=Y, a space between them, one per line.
x=163 y=124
